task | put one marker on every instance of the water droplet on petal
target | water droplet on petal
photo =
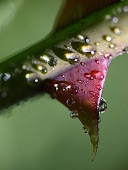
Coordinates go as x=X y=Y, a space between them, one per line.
x=85 y=130
x=74 y=114
x=111 y=45
x=46 y=58
x=97 y=43
x=42 y=69
x=116 y=30
x=70 y=102
x=125 y=9
x=102 y=105
x=107 y=38
x=125 y=50
x=84 y=48
x=83 y=38
x=97 y=61
x=4 y=95
x=115 y=19
x=72 y=58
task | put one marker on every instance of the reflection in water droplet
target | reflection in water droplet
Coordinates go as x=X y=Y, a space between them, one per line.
x=74 y=114
x=85 y=130
x=107 y=38
x=102 y=106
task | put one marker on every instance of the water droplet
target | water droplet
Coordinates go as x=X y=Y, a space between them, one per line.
x=88 y=50
x=83 y=38
x=108 y=56
x=85 y=49
x=70 y=102
x=111 y=45
x=125 y=50
x=85 y=130
x=115 y=19
x=119 y=10
x=79 y=81
x=102 y=105
x=72 y=58
x=24 y=67
x=42 y=69
x=67 y=55
x=4 y=95
x=99 y=120
x=97 y=61
x=107 y=38
x=33 y=79
x=116 y=30
x=7 y=76
x=98 y=87
x=97 y=43
x=108 y=17
x=46 y=58
x=74 y=114
x=94 y=75
x=125 y=9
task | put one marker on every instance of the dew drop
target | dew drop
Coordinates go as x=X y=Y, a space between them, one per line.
x=98 y=87
x=4 y=95
x=111 y=45
x=115 y=19
x=108 y=56
x=108 y=17
x=70 y=102
x=46 y=58
x=7 y=76
x=85 y=49
x=83 y=38
x=94 y=75
x=32 y=79
x=107 y=38
x=42 y=69
x=74 y=114
x=72 y=58
x=102 y=105
x=116 y=30
x=85 y=130
x=97 y=43
x=97 y=61
x=125 y=49
x=125 y=9
x=88 y=50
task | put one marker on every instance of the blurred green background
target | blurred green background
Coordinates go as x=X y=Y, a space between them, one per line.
x=39 y=134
